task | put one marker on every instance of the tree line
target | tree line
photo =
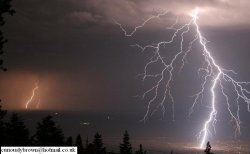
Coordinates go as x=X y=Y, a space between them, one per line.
x=14 y=132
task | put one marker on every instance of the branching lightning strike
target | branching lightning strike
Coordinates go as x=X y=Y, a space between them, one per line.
x=210 y=70
x=35 y=92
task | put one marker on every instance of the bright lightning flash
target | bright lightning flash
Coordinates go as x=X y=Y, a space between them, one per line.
x=35 y=92
x=213 y=76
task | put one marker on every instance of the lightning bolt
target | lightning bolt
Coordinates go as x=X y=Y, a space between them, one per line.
x=34 y=92
x=213 y=76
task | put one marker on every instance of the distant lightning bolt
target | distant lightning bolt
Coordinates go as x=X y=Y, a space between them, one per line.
x=212 y=76
x=34 y=91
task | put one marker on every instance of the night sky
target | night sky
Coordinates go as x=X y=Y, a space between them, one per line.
x=83 y=62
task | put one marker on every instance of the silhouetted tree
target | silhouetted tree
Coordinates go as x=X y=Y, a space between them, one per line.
x=208 y=148
x=69 y=141
x=48 y=134
x=5 y=8
x=90 y=149
x=79 y=144
x=87 y=142
x=2 y=126
x=98 y=144
x=140 y=151
x=125 y=147
x=112 y=152
x=17 y=133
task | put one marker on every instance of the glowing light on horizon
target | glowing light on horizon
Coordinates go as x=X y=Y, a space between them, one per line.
x=213 y=76
x=34 y=91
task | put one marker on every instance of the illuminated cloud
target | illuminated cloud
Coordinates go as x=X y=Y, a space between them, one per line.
x=217 y=12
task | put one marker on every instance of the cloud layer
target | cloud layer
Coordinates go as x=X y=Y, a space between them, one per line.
x=130 y=12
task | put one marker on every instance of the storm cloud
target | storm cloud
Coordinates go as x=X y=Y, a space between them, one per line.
x=75 y=49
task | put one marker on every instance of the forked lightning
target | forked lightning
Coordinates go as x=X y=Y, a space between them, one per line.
x=213 y=76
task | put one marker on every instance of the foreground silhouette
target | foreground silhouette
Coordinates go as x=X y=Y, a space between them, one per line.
x=208 y=148
x=125 y=147
x=48 y=133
